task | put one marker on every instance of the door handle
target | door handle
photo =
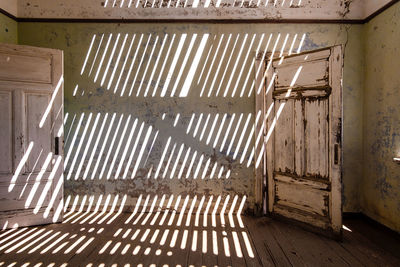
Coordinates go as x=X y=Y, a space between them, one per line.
x=56 y=141
x=336 y=154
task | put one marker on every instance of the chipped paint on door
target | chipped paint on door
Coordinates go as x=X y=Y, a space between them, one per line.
x=229 y=48
x=303 y=140
x=31 y=163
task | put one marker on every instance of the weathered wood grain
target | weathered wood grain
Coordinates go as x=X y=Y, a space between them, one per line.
x=303 y=138
x=31 y=170
x=273 y=243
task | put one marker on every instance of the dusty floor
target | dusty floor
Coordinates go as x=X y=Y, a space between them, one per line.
x=168 y=238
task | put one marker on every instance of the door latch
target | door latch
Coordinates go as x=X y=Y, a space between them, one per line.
x=336 y=156
x=56 y=141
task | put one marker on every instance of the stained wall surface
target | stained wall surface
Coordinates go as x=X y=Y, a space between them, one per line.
x=381 y=183
x=8 y=30
x=180 y=72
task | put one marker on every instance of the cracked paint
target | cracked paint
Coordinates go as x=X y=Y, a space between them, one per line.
x=381 y=182
x=92 y=97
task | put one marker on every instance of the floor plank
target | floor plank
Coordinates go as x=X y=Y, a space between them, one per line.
x=268 y=248
x=141 y=242
x=208 y=258
x=382 y=237
x=337 y=248
x=309 y=247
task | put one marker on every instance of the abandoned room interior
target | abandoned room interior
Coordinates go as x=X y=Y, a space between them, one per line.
x=199 y=133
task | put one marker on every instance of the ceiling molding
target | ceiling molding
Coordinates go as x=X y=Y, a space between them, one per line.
x=9 y=7
x=372 y=6
x=380 y=10
x=289 y=11
x=7 y=14
x=225 y=21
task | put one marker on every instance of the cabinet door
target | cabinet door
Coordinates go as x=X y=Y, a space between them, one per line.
x=31 y=135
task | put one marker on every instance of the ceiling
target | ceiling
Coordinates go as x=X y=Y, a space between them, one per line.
x=247 y=10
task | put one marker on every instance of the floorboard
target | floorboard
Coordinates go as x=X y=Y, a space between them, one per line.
x=175 y=239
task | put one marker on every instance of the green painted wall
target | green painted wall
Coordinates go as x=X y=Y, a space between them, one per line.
x=381 y=182
x=75 y=38
x=8 y=30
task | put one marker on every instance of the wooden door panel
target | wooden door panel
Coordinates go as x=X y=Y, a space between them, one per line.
x=284 y=137
x=35 y=107
x=310 y=56
x=302 y=197
x=308 y=218
x=316 y=138
x=17 y=198
x=313 y=74
x=298 y=131
x=26 y=67
x=31 y=111
x=24 y=217
x=6 y=163
x=304 y=179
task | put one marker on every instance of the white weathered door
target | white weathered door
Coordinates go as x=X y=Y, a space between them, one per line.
x=31 y=135
x=303 y=138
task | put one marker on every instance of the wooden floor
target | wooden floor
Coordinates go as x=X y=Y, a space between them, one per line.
x=167 y=238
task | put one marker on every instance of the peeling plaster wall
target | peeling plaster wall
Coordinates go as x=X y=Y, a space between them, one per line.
x=75 y=39
x=381 y=183
x=8 y=30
